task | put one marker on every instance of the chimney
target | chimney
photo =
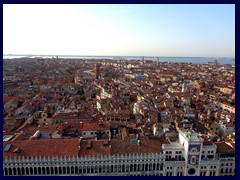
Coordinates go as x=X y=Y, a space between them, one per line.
x=89 y=144
x=138 y=142
x=109 y=136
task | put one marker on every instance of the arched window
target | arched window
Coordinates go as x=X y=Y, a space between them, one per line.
x=127 y=168
x=76 y=170
x=119 y=168
x=72 y=170
x=10 y=171
x=96 y=169
x=5 y=171
x=150 y=167
x=59 y=170
x=43 y=171
x=88 y=169
x=19 y=171
x=64 y=170
x=35 y=170
x=123 y=168
x=226 y=171
x=80 y=170
x=31 y=170
x=27 y=171
x=103 y=169
x=161 y=167
x=111 y=170
x=138 y=168
x=115 y=168
x=68 y=170
x=135 y=167
x=131 y=167
x=146 y=167
x=154 y=166
x=14 y=171
x=51 y=170
x=39 y=170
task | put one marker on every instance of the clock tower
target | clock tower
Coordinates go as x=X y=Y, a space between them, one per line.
x=192 y=152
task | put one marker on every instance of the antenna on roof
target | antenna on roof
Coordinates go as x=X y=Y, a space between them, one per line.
x=17 y=150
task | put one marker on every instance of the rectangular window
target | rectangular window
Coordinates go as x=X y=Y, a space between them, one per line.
x=193 y=160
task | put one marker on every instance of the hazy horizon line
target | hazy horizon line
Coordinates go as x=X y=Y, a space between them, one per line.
x=118 y=56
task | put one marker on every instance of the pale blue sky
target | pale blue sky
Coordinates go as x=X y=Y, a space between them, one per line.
x=141 y=30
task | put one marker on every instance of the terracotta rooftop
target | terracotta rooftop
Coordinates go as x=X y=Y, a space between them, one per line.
x=224 y=148
x=146 y=145
x=44 y=147
x=92 y=147
x=31 y=129
x=98 y=126
x=9 y=98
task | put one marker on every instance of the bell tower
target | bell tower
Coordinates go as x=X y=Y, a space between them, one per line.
x=97 y=71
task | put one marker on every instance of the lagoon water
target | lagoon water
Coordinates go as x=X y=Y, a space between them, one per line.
x=194 y=60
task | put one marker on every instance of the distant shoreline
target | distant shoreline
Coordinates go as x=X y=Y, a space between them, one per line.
x=116 y=56
x=193 y=60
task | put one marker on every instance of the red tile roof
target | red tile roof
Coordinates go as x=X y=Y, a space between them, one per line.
x=146 y=145
x=31 y=129
x=92 y=147
x=9 y=98
x=224 y=148
x=96 y=126
x=43 y=147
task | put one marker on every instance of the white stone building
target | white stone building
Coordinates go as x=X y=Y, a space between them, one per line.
x=190 y=156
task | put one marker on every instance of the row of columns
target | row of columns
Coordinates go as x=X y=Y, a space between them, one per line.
x=121 y=168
